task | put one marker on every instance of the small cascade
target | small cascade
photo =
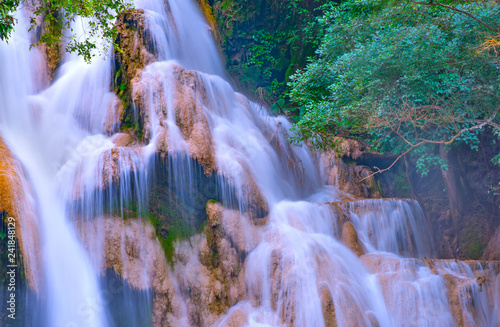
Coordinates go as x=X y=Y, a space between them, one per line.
x=403 y=229
x=182 y=203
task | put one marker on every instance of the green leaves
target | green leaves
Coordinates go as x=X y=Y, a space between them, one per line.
x=394 y=73
x=97 y=25
x=7 y=21
x=265 y=41
x=426 y=161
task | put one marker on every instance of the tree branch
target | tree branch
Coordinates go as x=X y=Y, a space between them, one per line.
x=481 y=124
x=394 y=162
x=457 y=10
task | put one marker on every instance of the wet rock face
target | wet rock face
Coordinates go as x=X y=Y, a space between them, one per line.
x=328 y=308
x=136 y=51
x=14 y=202
x=130 y=248
x=10 y=184
x=210 y=267
x=152 y=94
x=340 y=170
x=492 y=251
x=350 y=238
x=136 y=44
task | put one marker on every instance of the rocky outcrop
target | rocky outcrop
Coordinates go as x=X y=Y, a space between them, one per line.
x=492 y=250
x=131 y=249
x=136 y=49
x=136 y=46
x=14 y=202
x=211 y=265
x=172 y=106
x=152 y=95
x=10 y=181
x=469 y=285
x=328 y=307
x=350 y=239
x=165 y=91
x=208 y=269
x=340 y=169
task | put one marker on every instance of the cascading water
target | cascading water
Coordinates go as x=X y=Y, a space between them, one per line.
x=275 y=250
x=40 y=147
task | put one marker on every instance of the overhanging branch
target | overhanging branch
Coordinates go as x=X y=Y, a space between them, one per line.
x=458 y=10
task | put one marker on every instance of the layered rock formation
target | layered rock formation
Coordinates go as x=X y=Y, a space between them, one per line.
x=176 y=112
x=340 y=170
x=292 y=259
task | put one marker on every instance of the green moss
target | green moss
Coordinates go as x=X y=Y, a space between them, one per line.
x=178 y=231
x=401 y=184
x=475 y=249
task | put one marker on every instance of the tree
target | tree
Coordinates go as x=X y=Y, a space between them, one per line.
x=406 y=78
x=60 y=16
x=7 y=21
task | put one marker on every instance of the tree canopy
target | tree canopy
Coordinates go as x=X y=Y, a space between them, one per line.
x=401 y=75
x=60 y=18
x=7 y=20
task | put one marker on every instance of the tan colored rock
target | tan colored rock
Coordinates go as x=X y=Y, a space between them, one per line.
x=117 y=161
x=492 y=250
x=122 y=140
x=237 y=318
x=350 y=178
x=131 y=249
x=328 y=307
x=350 y=239
x=211 y=266
x=214 y=285
x=135 y=41
x=14 y=201
x=10 y=181
x=190 y=111
x=350 y=148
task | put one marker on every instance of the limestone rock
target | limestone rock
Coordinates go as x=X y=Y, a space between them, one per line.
x=131 y=249
x=328 y=308
x=350 y=178
x=15 y=201
x=136 y=42
x=350 y=238
x=492 y=250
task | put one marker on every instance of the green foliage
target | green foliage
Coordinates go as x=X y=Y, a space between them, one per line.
x=496 y=160
x=7 y=21
x=60 y=17
x=394 y=73
x=179 y=231
x=426 y=161
x=267 y=40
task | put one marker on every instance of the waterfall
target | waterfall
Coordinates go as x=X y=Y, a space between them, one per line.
x=270 y=244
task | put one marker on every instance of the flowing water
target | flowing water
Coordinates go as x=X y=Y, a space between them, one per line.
x=296 y=270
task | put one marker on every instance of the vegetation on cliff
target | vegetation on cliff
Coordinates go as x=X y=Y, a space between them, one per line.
x=402 y=75
x=7 y=20
x=265 y=41
x=418 y=81
x=60 y=16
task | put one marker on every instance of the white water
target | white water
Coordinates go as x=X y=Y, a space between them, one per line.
x=60 y=136
x=39 y=140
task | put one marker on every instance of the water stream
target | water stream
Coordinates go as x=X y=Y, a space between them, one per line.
x=296 y=270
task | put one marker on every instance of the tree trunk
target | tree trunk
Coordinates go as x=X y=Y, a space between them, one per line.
x=453 y=188
x=408 y=177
